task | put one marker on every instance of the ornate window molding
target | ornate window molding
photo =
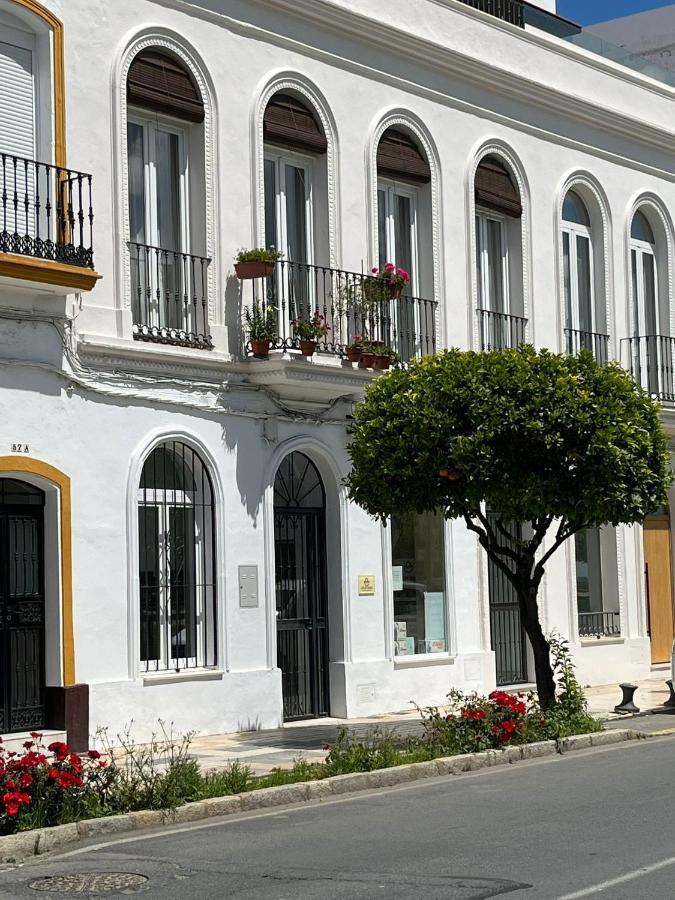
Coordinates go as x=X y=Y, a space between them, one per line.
x=655 y=208
x=295 y=83
x=495 y=147
x=163 y=39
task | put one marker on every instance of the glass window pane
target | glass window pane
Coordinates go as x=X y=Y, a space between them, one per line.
x=417 y=549
x=383 y=243
x=404 y=233
x=648 y=273
x=584 y=284
x=479 y=263
x=148 y=552
x=271 y=229
x=574 y=210
x=495 y=265
x=641 y=229
x=296 y=214
x=136 y=162
x=636 y=296
x=168 y=190
x=181 y=557
x=567 y=281
x=588 y=571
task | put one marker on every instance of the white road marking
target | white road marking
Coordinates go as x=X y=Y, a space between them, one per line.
x=622 y=879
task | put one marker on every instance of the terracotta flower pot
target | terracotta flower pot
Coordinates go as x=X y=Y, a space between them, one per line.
x=381 y=361
x=395 y=291
x=257 y=269
x=367 y=360
x=307 y=348
x=261 y=348
x=353 y=354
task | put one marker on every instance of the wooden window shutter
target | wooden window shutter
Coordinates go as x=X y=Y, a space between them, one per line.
x=495 y=188
x=399 y=157
x=289 y=122
x=161 y=84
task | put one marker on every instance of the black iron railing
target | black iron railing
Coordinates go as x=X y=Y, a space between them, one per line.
x=169 y=296
x=599 y=624
x=351 y=304
x=500 y=331
x=46 y=212
x=650 y=360
x=597 y=343
x=509 y=10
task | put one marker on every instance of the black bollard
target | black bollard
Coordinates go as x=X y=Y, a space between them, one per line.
x=671 y=700
x=627 y=705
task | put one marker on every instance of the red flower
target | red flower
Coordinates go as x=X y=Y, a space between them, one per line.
x=504 y=737
x=102 y=764
x=325 y=747
x=11 y=808
x=28 y=744
x=25 y=780
x=59 y=749
x=53 y=774
x=36 y=735
x=94 y=754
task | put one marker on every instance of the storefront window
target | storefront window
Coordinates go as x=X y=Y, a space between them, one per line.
x=418 y=580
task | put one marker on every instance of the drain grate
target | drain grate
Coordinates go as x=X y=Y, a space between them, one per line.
x=91 y=883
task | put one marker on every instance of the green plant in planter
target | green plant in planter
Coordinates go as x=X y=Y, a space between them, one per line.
x=261 y=324
x=312 y=329
x=258 y=254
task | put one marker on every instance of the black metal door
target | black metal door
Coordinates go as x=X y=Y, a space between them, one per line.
x=22 y=607
x=508 y=636
x=301 y=601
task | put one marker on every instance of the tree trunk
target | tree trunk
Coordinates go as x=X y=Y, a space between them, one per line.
x=529 y=609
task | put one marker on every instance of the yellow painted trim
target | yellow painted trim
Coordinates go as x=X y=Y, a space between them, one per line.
x=58 y=77
x=46 y=271
x=62 y=481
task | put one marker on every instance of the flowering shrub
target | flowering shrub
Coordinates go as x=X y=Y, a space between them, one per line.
x=49 y=786
x=394 y=276
x=311 y=329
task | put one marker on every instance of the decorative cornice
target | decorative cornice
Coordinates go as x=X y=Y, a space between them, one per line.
x=44 y=271
x=298 y=83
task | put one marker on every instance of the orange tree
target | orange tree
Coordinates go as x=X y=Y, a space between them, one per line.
x=557 y=443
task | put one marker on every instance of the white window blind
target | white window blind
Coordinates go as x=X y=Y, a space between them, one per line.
x=17 y=115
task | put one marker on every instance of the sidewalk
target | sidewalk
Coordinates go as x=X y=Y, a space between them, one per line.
x=280 y=747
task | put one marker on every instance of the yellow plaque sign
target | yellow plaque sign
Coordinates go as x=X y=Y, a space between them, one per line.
x=366 y=585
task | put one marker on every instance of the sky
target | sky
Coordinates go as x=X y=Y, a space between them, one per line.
x=585 y=12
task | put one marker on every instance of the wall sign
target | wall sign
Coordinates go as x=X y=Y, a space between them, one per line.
x=366 y=585
x=20 y=448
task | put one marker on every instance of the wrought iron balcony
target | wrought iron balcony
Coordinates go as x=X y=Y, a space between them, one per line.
x=508 y=10
x=351 y=304
x=597 y=343
x=46 y=212
x=650 y=360
x=599 y=624
x=169 y=296
x=500 y=331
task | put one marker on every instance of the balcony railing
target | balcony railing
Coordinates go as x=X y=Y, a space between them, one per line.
x=597 y=343
x=46 y=212
x=169 y=296
x=650 y=360
x=500 y=331
x=352 y=305
x=509 y=10
x=599 y=624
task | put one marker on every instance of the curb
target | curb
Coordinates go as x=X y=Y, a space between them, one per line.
x=16 y=847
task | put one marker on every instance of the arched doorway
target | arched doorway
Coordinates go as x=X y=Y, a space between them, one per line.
x=301 y=587
x=22 y=606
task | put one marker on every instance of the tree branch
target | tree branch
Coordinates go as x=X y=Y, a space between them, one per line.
x=496 y=547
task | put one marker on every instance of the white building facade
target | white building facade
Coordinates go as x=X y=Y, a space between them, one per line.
x=175 y=536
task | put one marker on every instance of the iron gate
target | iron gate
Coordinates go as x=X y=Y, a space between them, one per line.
x=506 y=630
x=300 y=573
x=22 y=606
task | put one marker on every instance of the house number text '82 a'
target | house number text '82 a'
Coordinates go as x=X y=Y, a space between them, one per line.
x=20 y=448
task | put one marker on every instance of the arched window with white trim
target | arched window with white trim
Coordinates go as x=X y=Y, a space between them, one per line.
x=177 y=560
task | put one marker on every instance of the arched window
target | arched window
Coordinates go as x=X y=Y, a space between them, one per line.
x=165 y=154
x=177 y=559
x=499 y=255
x=644 y=275
x=580 y=318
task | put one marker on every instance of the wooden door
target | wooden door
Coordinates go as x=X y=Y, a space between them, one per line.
x=658 y=580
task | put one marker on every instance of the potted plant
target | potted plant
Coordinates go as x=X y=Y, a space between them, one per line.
x=256 y=263
x=384 y=357
x=367 y=355
x=354 y=350
x=393 y=277
x=261 y=325
x=309 y=331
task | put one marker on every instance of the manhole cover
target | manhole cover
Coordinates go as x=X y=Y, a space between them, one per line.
x=91 y=883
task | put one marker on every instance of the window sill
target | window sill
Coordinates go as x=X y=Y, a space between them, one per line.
x=151 y=678
x=421 y=660
x=603 y=641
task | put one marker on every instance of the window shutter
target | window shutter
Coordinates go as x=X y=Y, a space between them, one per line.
x=163 y=85
x=289 y=122
x=399 y=157
x=17 y=132
x=495 y=189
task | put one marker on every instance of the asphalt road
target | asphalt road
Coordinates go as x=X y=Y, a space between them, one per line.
x=595 y=824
